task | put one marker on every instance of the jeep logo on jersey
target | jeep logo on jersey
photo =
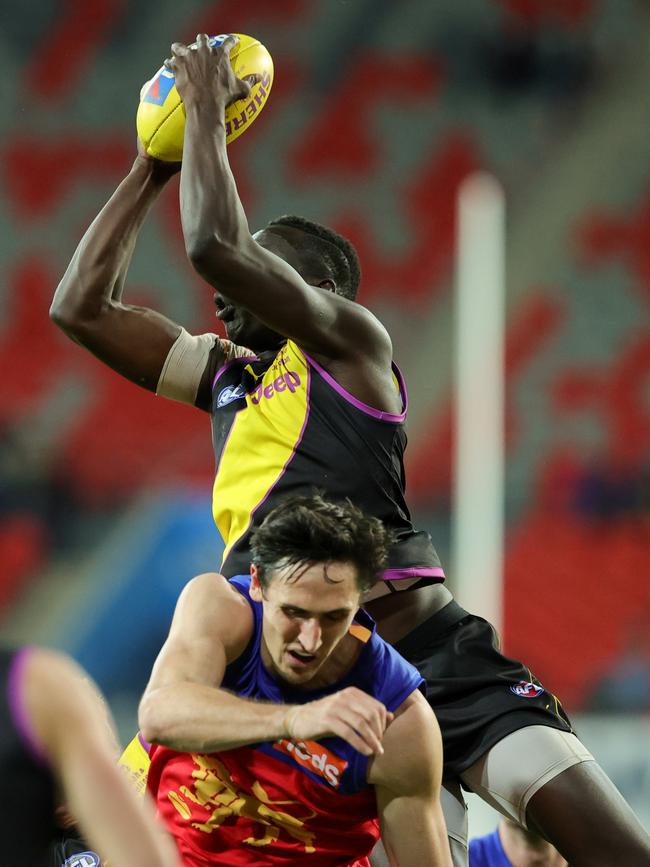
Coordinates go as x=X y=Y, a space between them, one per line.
x=288 y=381
x=230 y=393
x=315 y=758
x=85 y=859
x=526 y=689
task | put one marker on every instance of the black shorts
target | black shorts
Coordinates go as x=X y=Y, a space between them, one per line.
x=478 y=695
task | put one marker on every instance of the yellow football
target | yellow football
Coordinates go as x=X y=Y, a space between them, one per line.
x=160 y=121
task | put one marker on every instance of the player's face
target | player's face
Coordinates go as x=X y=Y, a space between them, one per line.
x=241 y=326
x=306 y=617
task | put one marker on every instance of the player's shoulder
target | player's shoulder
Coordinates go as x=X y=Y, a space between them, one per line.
x=355 y=332
x=211 y=590
x=373 y=328
x=412 y=749
x=394 y=678
x=222 y=352
x=211 y=609
x=415 y=716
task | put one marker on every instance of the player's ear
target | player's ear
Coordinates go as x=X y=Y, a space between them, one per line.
x=256 y=587
x=328 y=284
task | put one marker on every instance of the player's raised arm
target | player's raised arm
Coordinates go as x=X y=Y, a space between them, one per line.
x=137 y=342
x=265 y=281
x=407 y=782
x=88 y=303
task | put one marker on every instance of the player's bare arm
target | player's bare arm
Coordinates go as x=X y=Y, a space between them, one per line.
x=223 y=251
x=74 y=730
x=183 y=706
x=88 y=306
x=407 y=783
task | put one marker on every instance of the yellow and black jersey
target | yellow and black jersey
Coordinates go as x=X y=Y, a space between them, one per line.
x=282 y=425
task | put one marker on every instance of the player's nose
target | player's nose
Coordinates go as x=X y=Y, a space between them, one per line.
x=310 y=635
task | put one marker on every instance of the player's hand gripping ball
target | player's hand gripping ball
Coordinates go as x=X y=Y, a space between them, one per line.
x=160 y=121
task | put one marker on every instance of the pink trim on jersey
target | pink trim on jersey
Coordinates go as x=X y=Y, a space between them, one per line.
x=413 y=572
x=359 y=404
x=229 y=364
x=287 y=462
x=146 y=746
x=17 y=707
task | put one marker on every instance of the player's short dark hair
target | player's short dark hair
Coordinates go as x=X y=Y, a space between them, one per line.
x=305 y=530
x=328 y=248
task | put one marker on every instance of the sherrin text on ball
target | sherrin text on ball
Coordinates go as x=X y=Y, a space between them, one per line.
x=160 y=121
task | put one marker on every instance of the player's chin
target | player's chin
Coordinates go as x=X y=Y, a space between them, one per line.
x=231 y=330
x=236 y=331
x=298 y=679
x=300 y=673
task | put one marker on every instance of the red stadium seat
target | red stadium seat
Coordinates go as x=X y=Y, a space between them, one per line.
x=22 y=544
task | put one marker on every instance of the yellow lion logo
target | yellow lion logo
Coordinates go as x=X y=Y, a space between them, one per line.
x=214 y=787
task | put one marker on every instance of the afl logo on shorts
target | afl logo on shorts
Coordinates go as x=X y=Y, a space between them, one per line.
x=230 y=393
x=526 y=689
x=85 y=859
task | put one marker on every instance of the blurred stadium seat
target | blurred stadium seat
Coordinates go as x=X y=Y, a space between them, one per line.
x=377 y=115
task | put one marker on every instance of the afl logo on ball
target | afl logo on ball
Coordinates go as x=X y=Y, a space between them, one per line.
x=159 y=88
x=526 y=689
x=85 y=859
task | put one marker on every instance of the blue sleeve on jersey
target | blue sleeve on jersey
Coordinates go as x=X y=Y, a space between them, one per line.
x=235 y=671
x=488 y=852
x=241 y=583
x=398 y=678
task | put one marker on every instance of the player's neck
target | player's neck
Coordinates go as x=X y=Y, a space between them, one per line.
x=339 y=663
